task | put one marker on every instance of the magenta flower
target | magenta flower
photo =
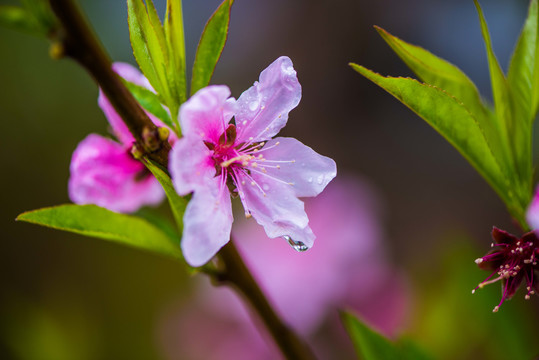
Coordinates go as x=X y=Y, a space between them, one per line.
x=512 y=261
x=267 y=174
x=532 y=215
x=103 y=171
x=346 y=269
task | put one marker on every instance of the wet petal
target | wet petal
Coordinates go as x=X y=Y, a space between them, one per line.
x=207 y=224
x=292 y=162
x=104 y=173
x=532 y=215
x=191 y=165
x=262 y=110
x=275 y=207
x=207 y=113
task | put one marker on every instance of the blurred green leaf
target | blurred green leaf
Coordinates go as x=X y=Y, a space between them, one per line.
x=210 y=47
x=177 y=203
x=176 y=46
x=149 y=101
x=370 y=345
x=94 y=221
x=19 y=19
x=451 y=119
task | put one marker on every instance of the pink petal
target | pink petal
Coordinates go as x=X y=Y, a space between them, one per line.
x=207 y=113
x=298 y=164
x=532 y=215
x=104 y=173
x=263 y=108
x=207 y=224
x=275 y=206
x=191 y=165
x=120 y=129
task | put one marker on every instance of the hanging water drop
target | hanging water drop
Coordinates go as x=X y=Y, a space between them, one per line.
x=296 y=245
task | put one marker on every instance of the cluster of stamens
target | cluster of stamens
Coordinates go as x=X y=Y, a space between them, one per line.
x=513 y=260
x=236 y=162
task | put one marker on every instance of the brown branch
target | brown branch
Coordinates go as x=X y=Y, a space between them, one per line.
x=79 y=43
x=237 y=274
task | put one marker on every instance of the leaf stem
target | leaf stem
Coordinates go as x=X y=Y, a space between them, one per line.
x=79 y=43
x=236 y=273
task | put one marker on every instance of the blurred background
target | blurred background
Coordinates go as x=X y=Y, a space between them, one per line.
x=63 y=296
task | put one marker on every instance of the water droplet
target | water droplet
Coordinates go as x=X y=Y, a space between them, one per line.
x=296 y=245
x=320 y=179
x=310 y=180
x=265 y=187
x=253 y=105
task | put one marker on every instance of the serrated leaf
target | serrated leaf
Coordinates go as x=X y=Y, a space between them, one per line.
x=19 y=19
x=444 y=75
x=177 y=203
x=146 y=47
x=174 y=35
x=210 y=47
x=150 y=102
x=94 y=221
x=523 y=75
x=512 y=127
x=451 y=119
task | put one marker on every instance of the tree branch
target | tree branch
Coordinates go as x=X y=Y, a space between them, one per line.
x=79 y=43
x=237 y=274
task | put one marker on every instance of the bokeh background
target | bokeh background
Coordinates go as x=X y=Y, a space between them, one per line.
x=63 y=296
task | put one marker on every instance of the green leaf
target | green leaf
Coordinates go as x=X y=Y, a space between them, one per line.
x=451 y=119
x=210 y=47
x=19 y=19
x=149 y=101
x=370 y=345
x=148 y=50
x=94 y=221
x=523 y=75
x=513 y=129
x=438 y=72
x=444 y=75
x=177 y=203
x=176 y=46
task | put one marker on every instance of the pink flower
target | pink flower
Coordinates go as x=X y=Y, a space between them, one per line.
x=103 y=172
x=532 y=215
x=346 y=269
x=267 y=174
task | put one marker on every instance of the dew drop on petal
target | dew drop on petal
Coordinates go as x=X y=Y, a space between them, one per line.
x=320 y=179
x=265 y=187
x=310 y=180
x=253 y=105
x=296 y=245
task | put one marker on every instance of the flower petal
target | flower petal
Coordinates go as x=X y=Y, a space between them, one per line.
x=532 y=215
x=207 y=113
x=207 y=224
x=104 y=173
x=275 y=206
x=263 y=108
x=292 y=162
x=191 y=165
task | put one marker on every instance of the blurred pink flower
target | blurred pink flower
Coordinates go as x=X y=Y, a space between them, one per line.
x=532 y=215
x=268 y=174
x=346 y=268
x=103 y=172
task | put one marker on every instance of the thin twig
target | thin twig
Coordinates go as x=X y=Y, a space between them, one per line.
x=79 y=43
